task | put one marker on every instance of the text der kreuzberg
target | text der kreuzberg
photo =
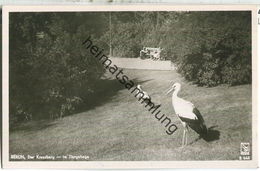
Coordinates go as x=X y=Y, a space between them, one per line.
x=48 y=157
x=129 y=84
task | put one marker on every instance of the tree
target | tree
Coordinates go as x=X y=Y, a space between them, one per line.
x=50 y=72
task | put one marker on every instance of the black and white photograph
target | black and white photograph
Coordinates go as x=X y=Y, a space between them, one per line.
x=141 y=84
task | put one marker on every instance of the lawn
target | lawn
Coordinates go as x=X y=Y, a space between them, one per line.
x=121 y=129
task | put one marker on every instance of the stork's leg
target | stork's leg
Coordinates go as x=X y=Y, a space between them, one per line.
x=184 y=134
x=187 y=130
x=183 y=137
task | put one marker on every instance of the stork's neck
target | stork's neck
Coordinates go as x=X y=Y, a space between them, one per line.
x=175 y=94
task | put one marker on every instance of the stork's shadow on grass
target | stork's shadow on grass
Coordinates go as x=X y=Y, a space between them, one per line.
x=212 y=135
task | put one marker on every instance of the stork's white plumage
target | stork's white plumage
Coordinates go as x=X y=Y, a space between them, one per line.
x=188 y=114
x=145 y=96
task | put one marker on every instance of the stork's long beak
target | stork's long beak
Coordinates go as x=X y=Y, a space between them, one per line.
x=170 y=90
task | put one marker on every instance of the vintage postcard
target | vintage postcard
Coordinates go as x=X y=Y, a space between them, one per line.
x=129 y=86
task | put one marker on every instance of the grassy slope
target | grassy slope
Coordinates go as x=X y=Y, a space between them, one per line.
x=122 y=129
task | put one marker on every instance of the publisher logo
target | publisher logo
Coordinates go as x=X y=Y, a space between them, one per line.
x=244 y=151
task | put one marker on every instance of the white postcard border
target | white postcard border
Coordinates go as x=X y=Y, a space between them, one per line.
x=125 y=164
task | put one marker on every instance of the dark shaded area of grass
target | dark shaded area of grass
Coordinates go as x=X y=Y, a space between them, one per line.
x=33 y=125
x=105 y=90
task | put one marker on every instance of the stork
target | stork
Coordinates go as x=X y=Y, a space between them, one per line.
x=188 y=114
x=146 y=98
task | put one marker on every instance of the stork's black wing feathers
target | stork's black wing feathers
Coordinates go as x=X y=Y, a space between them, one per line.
x=198 y=124
x=193 y=121
x=197 y=113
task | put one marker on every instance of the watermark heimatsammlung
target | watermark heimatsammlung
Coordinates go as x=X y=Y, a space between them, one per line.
x=129 y=84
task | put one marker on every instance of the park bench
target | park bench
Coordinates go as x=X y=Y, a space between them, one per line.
x=152 y=53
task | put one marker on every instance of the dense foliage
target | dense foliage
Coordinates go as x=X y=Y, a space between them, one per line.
x=51 y=74
x=209 y=48
x=221 y=49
